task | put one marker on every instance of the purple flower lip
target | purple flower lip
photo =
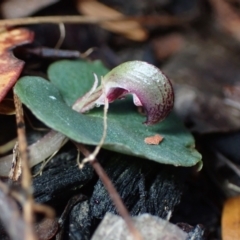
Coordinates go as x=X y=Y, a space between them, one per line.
x=150 y=88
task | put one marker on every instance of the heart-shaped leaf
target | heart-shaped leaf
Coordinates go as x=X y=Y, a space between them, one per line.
x=125 y=134
x=79 y=78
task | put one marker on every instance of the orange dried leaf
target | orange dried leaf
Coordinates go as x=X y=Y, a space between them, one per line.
x=231 y=219
x=10 y=67
x=153 y=140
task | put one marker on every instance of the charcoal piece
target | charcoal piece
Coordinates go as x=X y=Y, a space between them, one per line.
x=59 y=177
x=80 y=222
x=163 y=195
x=144 y=186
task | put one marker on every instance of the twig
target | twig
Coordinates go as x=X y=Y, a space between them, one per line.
x=52 y=19
x=145 y=20
x=112 y=192
x=93 y=155
x=26 y=174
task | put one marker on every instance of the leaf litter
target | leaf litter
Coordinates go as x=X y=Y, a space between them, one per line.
x=11 y=67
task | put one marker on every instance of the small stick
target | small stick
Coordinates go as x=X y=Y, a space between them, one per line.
x=93 y=155
x=26 y=174
x=52 y=19
x=112 y=192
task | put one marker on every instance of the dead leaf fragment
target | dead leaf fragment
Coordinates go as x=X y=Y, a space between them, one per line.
x=129 y=28
x=153 y=140
x=151 y=227
x=10 y=67
x=231 y=219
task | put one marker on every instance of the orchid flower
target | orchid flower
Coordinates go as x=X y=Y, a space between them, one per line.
x=150 y=88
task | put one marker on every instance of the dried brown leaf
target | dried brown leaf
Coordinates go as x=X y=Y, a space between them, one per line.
x=10 y=67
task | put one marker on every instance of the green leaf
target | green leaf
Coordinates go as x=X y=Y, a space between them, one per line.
x=126 y=133
x=74 y=78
